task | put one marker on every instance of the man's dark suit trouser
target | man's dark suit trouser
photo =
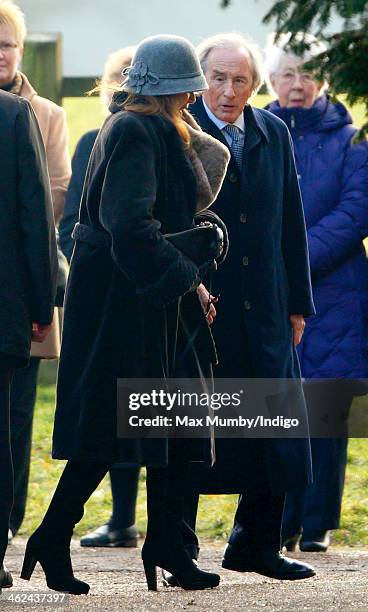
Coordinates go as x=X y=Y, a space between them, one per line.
x=6 y=466
x=257 y=522
x=22 y=404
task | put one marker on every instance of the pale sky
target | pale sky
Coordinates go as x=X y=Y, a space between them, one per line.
x=94 y=28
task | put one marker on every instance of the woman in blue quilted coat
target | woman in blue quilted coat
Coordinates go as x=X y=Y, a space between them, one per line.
x=333 y=176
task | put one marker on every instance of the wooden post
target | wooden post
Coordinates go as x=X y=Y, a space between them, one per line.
x=42 y=64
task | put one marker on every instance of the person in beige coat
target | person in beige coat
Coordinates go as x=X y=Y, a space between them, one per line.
x=53 y=126
x=51 y=117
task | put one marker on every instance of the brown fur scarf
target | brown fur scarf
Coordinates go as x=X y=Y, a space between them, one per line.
x=209 y=159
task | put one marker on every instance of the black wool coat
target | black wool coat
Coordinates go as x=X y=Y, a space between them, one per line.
x=264 y=279
x=124 y=312
x=28 y=257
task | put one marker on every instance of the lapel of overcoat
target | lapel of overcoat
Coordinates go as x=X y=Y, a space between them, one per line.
x=199 y=112
x=255 y=131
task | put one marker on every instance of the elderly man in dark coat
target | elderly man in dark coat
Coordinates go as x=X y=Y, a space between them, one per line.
x=265 y=293
x=28 y=268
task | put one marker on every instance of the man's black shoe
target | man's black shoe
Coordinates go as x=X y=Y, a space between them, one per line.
x=317 y=541
x=107 y=536
x=266 y=562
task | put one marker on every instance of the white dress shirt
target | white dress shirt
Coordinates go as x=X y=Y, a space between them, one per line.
x=221 y=124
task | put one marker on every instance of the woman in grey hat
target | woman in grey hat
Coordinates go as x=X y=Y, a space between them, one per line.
x=134 y=308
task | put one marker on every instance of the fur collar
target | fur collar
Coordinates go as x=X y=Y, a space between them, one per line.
x=209 y=159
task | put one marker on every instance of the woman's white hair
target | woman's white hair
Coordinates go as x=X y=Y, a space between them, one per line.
x=112 y=75
x=234 y=40
x=275 y=53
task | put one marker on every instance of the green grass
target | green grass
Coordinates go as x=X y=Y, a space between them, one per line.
x=87 y=113
x=216 y=512
x=83 y=114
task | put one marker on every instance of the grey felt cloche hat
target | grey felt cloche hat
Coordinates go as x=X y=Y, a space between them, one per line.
x=164 y=65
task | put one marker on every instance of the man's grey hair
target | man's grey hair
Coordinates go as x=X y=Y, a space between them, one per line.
x=275 y=53
x=234 y=40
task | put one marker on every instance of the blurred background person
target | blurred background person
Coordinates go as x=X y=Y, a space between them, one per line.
x=52 y=122
x=120 y=529
x=27 y=272
x=333 y=177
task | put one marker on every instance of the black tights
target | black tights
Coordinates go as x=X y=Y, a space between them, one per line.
x=76 y=485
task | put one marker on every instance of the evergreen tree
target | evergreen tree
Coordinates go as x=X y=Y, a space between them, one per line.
x=345 y=64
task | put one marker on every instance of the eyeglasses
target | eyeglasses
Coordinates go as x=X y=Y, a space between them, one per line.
x=7 y=47
x=290 y=75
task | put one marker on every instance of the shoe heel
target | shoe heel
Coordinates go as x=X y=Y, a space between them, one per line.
x=151 y=575
x=290 y=542
x=29 y=564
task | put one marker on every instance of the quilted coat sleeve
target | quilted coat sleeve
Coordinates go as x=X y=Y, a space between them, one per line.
x=160 y=272
x=294 y=239
x=337 y=234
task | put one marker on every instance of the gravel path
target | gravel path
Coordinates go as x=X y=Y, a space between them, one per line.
x=118 y=584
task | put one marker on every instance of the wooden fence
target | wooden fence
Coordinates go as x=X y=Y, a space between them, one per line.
x=43 y=64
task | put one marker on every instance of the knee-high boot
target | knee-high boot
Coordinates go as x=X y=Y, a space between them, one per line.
x=164 y=546
x=50 y=543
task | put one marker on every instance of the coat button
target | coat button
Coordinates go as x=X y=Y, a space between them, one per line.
x=245 y=260
x=247 y=305
x=243 y=218
x=233 y=178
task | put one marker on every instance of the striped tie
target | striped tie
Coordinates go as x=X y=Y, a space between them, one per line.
x=236 y=143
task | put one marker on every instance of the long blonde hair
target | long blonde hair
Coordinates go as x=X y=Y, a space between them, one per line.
x=159 y=105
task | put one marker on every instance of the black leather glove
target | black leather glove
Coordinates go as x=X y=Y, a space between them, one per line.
x=201 y=244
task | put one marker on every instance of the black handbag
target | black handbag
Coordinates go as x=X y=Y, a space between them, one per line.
x=201 y=244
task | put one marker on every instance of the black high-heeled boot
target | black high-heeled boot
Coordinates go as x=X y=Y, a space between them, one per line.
x=54 y=558
x=50 y=543
x=6 y=579
x=164 y=545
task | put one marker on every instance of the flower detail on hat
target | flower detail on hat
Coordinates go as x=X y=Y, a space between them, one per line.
x=139 y=75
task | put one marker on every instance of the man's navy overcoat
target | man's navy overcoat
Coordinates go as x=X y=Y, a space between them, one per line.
x=265 y=277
